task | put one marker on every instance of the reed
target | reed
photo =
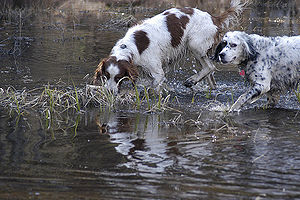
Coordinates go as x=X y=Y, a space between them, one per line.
x=147 y=97
x=76 y=97
x=208 y=93
x=297 y=93
x=137 y=97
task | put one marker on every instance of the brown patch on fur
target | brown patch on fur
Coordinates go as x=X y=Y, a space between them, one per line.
x=99 y=72
x=176 y=28
x=188 y=11
x=141 y=40
x=127 y=68
x=219 y=20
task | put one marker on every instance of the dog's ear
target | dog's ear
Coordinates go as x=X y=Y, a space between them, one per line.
x=219 y=48
x=99 y=71
x=251 y=53
x=132 y=71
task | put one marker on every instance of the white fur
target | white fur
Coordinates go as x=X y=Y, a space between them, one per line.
x=198 y=38
x=111 y=84
x=272 y=64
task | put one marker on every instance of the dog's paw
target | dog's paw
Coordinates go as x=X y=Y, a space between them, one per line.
x=189 y=83
x=234 y=108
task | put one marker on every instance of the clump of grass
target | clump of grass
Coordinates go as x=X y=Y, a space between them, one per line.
x=13 y=99
x=51 y=100
x=60 y=107
x=149 y=101
x=208 y=93
x=297 y=93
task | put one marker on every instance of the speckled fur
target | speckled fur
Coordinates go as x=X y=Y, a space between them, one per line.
x=271 y=64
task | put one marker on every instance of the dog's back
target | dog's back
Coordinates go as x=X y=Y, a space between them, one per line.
x=168 y=34
x=282 y=56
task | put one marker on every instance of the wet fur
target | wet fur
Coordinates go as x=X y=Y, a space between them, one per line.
x=271 y=64
x=165 y=37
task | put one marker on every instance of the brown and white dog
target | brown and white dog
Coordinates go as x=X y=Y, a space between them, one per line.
x=163 y=38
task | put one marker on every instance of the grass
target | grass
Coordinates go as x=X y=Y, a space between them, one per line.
x=297 y=93
x=56 y=100
x=60 y=108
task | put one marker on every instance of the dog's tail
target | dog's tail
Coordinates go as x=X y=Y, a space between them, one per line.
x=231 y=16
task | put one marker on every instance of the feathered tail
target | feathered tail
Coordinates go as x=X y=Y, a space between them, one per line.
x=231 y=16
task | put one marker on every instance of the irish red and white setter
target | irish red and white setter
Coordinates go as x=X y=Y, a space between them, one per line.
x=162 y=38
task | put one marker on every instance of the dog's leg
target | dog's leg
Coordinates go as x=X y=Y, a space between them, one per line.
x=252 y=95
x=157 y=73
x=261 y=86
x=211 y=81
x=207 y=69
x=210 y=77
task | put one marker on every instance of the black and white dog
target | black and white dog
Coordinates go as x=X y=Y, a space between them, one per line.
x=163 y=38
x=271 y=64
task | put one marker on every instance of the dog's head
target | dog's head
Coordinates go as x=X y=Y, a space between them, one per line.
x=235 y=48
x=113 y=71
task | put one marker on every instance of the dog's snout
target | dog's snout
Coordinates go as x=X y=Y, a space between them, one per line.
x=222 y=55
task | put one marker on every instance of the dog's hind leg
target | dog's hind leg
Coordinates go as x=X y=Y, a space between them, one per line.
x=210 y=77
x=206 y=72
x=211 y=81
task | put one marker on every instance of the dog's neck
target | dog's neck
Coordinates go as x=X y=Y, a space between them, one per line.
x=243 y=64
x=243 y=68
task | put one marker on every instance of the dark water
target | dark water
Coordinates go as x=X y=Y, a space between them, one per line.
x=129 y=154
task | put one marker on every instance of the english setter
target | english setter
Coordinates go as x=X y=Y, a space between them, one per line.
x=271 y=64
x=162 y=38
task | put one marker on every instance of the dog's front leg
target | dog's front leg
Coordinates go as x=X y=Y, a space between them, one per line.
x=158 y=75
x=253 y=94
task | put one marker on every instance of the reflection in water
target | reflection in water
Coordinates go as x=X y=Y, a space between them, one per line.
x=247 y=160
x=136 y=155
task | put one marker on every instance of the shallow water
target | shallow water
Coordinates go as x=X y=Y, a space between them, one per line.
x=130 y=154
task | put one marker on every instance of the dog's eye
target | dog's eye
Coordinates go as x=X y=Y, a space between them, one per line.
x=232 y=45
x=123 y=46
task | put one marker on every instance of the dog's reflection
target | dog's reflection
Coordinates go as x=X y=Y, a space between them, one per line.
x=139 y=137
